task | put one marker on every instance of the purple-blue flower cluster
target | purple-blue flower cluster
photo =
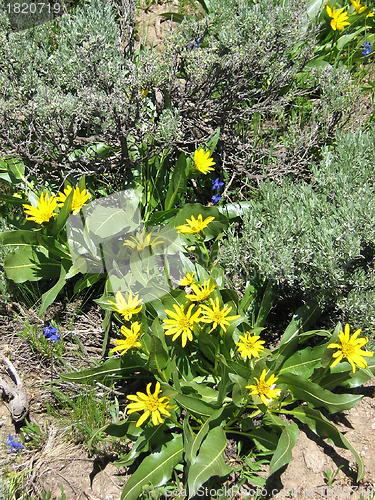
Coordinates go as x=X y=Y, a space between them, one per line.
x=51 y=333
x=13 y=443
x=366 y=49
x=216 y=186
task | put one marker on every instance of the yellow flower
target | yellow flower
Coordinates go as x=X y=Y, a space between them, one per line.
x=188 y=280
x=339 y=18
x=143 y=240
x=126 y=307
x=131 y=339
x=216 y=316
x=370 y=14
x=149 y=403
x=195 y=225
x=358 y=7
x=350 y=348
x=44 y=209
x=264 y=388
x=250 y=345
x=181 y=323
x=202 y=292
x=203 y=162
x=79 y=198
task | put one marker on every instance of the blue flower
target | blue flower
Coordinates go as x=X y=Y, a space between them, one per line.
x=216 y=198
x=13 y=443
x=366 y=49
x=51 y=333
x=216 y=184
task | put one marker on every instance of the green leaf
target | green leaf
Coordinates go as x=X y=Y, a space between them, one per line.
x=314 y=7
x=283 y=452
x=304 y=362
x=155 y=469
x=235 y=210
x=213 y=141
x=64 y=213
x=147 y=437
x=318 y=424
x=87 y=281
x=158 y=361
x=25 y=238
x=210 y=461
x=305 y=316
x=49 y=296
x=264 y=439
x=17 y=167
x=115 y=367
x=194 y=405
x=177 y=183
x=108 y=221
x=30 y=264
x=304 y=390
x=345 y=39
x=266 y=304
x=12 y=200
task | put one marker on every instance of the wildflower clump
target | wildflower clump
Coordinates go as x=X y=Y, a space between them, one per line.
x=181 y=323
x=51 y=333
x=80 y=198
x=194 y=225
x=151 y=404
x=250 y=345
x=263 y=388
x=216 y=316
x=339 y=18
x=350 y=348
x=202 y=161
x=131 y=339
x=126 y=306
x=44 y=209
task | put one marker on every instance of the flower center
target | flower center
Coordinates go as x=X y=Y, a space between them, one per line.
x=184 y=324
x=152 y=404
x=218 y=317
x=249 y=344
x=263 y=388
x=348 y=350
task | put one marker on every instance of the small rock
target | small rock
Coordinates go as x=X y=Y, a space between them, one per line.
x=314 y=458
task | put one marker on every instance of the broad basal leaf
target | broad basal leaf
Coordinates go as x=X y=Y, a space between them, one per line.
x=304 y=390
x=283 y=452
x=210 y=461
x=155 y=469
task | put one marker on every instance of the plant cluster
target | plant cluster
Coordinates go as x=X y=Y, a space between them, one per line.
x=317 y=239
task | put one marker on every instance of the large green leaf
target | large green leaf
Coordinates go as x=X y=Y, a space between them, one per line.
x=48 y=297
x=325 y=429
x=304 y=390
x=155 y=469
x=108 y=221
x=24 y=238
x=30 y=264
x=283 y=452
x=158 y=361
x=265 y=440
x=194 y=405
x=302 y=319
x=177 y=183
x=210 y=461
x=342 y=374
x=304 y=362
x=114 y=367
x=148 y=437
